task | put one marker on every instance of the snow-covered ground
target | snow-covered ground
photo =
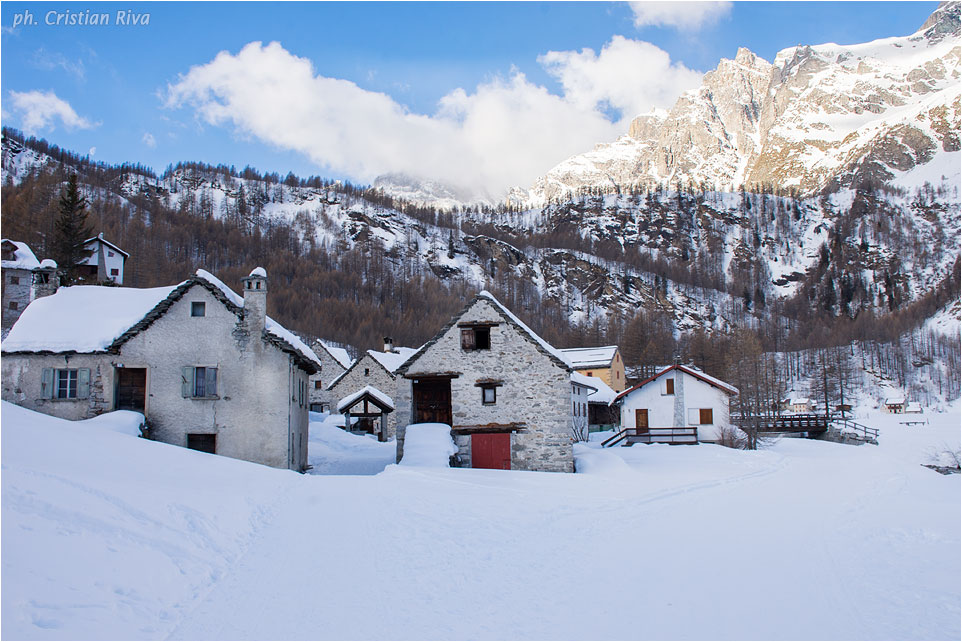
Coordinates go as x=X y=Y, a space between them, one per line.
x=105 y=535
x=332 y=451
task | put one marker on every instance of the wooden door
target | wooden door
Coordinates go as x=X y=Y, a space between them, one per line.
x=432 y=401
x=641 y=421
x=131 y=389
x=491 y=450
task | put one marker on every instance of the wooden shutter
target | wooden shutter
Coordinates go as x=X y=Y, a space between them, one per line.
x=83 y=383
x=467 y=338
x=669 y=386
x=46 y=383
x=210 y=386
x=187 y=381
x=706 y=416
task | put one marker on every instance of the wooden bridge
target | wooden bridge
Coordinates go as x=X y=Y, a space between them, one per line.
x=809 y=423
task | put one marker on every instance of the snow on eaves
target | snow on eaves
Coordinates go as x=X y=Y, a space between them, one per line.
x=338 y=354
x=24 y=258
x=348 y=401
x=590 y=357
x=550 y=349
x=392 y=360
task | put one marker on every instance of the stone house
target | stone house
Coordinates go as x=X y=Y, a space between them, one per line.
x=208 y=368
x=104 y=263
x=604 y=362
x=334 y=362
x=24 y=279
x=680 y=404
x=507 y=394
x=377 y=370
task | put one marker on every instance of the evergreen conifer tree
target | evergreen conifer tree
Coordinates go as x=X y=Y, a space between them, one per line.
x=70 y=231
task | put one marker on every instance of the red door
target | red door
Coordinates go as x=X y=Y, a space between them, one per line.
x=491 y=450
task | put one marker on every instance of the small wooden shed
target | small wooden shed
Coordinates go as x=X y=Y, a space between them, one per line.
x=366 y=411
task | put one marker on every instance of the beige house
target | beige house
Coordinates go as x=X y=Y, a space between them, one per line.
x=208 y=368
x=605 y=363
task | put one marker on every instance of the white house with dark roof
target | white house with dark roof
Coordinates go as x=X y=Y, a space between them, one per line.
x=509 y=396
x=207 y=367
x=104 y=263
x=377 y=370
x=680 y=404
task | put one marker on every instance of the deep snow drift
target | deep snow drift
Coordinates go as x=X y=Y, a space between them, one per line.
x=106 y=535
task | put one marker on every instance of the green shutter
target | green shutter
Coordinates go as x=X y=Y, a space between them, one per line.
x=211 y=383
x=83 y=383
x=187 y=381
x=46 y=384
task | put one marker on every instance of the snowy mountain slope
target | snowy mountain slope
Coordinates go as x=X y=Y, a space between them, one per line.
x=819 y=116
x=205 y=547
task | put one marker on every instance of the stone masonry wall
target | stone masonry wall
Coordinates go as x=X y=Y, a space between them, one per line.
x=378 y=377
x=536 y=391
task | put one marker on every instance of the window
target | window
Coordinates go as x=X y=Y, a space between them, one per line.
x=702 y=416
x=589 y=373
x=65 y=383
x=202 y=442
x=199 y=382
x=367 y=372
x=114 y=272
x=14 y=305
x=476 y=338
x=14 y=280
x=198 y=309
x=318 y=385
x=669 y=386
x=109 y=253
x=489 y=395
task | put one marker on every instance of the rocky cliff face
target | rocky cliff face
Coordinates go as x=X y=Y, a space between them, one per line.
x=825 y=116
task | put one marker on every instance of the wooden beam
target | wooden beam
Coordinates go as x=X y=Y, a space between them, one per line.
x=512 y=427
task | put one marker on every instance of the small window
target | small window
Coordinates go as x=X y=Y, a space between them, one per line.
x=202 y=442
x=705 y=416
x=109 y=253
x=478 y=338
x=318 y=385
x=198 y=309
x=14 y=280
x=489 y=395
x=66 y=384
x=114 y=272
x=669 y=386
x=367 y=372
x=199 y=382
x=589 y=373
x=14 y=305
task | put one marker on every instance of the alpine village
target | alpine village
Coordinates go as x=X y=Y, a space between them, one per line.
x=752 y=297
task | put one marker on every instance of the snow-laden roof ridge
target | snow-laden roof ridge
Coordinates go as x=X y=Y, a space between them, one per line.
x=550 y=349
x=272 y=326
x=346 y=402
x=391 y=361
x=338 y=354
x=590 y=357
x=24 y=258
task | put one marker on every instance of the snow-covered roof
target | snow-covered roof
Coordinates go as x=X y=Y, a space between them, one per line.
x=590 y=357
x=24 y=258
x=913 y=406
x=603 y=392
x=584 y=380
x=259 y=271
x=48 y=263
x=100 y=237
x=272 y=326
x=338 y=354
x=802 y=401
x=550 y=349
x=90 y=318
x=694 y=372
x=370 y=391
x=895 y=401
x=82 y=318
x=392 y=360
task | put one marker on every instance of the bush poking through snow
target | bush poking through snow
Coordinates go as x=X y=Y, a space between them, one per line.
x=945 y=460
x=732 y=437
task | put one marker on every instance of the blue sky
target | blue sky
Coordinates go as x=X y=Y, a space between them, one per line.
x=355 y=89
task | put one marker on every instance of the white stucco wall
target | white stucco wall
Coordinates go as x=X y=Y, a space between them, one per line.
x=674 y=411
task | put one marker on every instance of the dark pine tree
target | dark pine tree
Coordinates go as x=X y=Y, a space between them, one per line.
x=70 y=231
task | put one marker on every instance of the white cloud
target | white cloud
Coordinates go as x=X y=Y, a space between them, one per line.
x=630 y=76
x=92 y=151
x=149 y=140
x=44 y=59
x=38 y=110
x=685 y=16
x=505 y=132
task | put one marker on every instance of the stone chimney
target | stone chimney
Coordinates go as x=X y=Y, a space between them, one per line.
x=255 y=300
x=388 y=344
x=46 y=280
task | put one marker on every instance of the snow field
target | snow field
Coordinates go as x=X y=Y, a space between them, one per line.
x=109 y=536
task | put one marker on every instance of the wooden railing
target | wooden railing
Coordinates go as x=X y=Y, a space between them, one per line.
x=784 y=423
x=864 y=432
x=686 y=435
